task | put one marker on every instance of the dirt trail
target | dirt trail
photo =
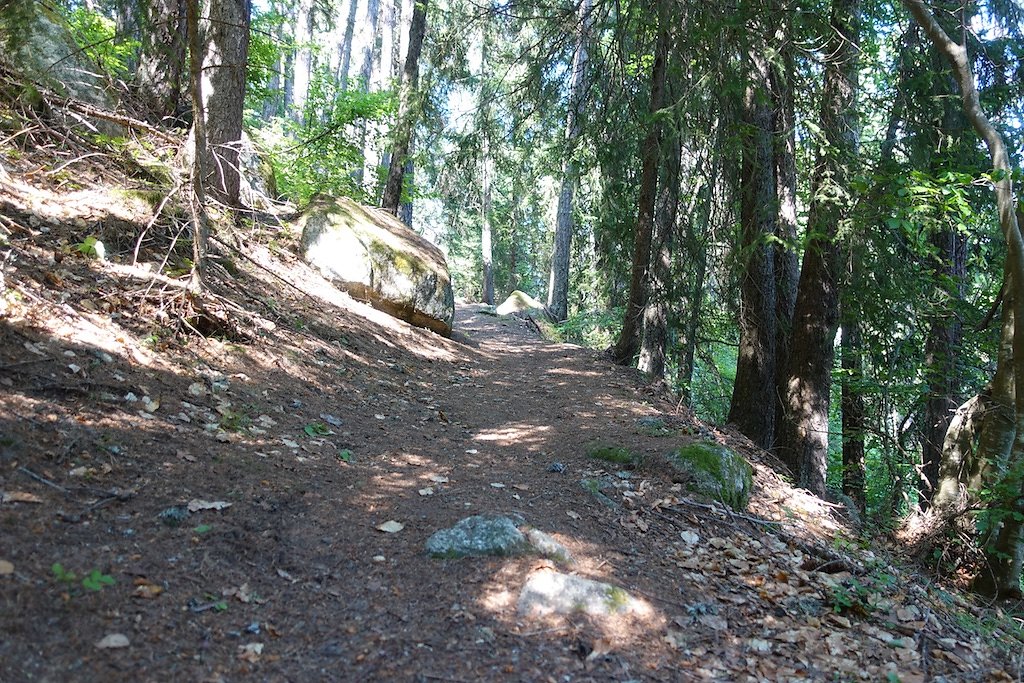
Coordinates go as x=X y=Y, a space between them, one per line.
x=338 y=421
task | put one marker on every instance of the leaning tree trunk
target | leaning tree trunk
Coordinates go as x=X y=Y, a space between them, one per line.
x=200 y=231
x=752 y=407
x=406 y=115
x=628 y=344
x=803 y=442
x=1002 y=438
x=225 y=27
x=558 y=284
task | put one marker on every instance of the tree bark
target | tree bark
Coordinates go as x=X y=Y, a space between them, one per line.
x=225 y=27
x=406 y=119
x=628 y=344
x=1002 y=439
x=803 y=442
x=655 y=330
x=558 y=283
x=752 y=407
x=162 y=58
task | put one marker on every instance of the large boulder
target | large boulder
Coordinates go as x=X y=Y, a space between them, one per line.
x=520 y=302
x=376 y=258
x=39 y=44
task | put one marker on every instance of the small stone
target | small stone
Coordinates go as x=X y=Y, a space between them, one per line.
x=113 y=641
x=378 y=559
x=556 y=467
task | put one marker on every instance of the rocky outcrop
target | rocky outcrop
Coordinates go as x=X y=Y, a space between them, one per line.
x=41 y=47
x=374 y=257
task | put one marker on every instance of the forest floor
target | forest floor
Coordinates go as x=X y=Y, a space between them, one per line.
x=209 y=507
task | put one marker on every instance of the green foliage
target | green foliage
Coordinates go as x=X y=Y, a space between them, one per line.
x=316 y=429
x=618 y=455
x=592 y=329
x=344 y=455
x=97 y=36
x=321 y=153
x=265 y=53
x=94 y=581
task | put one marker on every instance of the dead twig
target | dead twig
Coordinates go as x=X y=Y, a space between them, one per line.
x=43 y=480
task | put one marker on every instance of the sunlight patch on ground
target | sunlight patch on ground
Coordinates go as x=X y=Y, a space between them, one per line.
x=513 y=434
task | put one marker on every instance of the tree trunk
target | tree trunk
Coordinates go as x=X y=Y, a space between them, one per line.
x=345 y=47
x=655 y=329
x=558 y=283
x=787 y=264
x=406 y=119
x=752 y=407
x=162 y=58
x=200 y=232
x=628 y=344
x=302 y=62
x=854 y=416
x=1002 y=438
x=225 y=52
x=804 y=432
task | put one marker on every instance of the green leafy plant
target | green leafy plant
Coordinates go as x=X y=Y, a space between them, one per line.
x=315 y=429
x=91 y=247
x=62 y=575
x=96 y=581
x=345 y=455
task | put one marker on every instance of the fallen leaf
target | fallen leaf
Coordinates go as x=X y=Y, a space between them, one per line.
x=472 y=451
x=439 y=479
x=146 y=589
x=390 y=527
x=426 y=491
x=113 y=641
x=289 y=443
x=714 y=621
x=197 y=389
x=250 y=652
x=497 y=485
x=197 y=505
x=574 y=515
x=6 y=568
x=689 y=537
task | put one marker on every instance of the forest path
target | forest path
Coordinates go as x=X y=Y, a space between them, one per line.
x=235 y=494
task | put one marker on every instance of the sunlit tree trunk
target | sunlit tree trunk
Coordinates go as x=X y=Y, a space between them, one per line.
x=558 y=283
x=303 y=60
x=803 y=442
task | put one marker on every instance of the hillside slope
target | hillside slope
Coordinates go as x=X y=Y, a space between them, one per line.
x=212 y=475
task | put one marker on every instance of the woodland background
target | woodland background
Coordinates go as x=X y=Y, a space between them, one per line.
x=797 y=215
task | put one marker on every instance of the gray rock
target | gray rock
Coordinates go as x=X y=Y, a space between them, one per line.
x=44 y=50
x=715 y=471
x=548 y=546
x=478 y=536
x=520 y=302
x=550 y=592
x=374 y=257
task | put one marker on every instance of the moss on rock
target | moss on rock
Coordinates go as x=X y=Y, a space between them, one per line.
x=716 y=472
